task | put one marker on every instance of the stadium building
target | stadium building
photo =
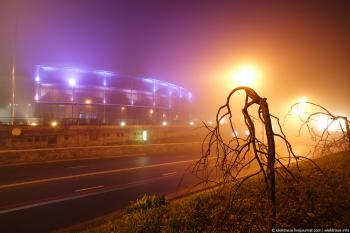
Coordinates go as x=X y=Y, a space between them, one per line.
x=77 y=96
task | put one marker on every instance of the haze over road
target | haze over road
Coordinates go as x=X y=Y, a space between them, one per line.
x=50 y=196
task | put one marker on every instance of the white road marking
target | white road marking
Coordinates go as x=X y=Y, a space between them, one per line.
x=93 y=147
x=86 y=189
x=77 y=159
x=169 y=174
x=74 y=167
x=106 y=190
x=92 y=174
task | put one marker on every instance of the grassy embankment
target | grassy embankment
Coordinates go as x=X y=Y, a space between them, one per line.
x=315 y=200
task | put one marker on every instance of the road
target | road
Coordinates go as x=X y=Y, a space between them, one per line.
x=47 y=197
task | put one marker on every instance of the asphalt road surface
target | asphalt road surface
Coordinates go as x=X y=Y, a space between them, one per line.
x=47 y=197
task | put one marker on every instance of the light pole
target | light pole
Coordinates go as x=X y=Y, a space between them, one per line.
x=13 y=95
x=72 y=82
x=13 y=76
x=104 y=98
x=72 y=105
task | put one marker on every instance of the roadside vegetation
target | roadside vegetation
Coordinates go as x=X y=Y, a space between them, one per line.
x=315 y=200
x=284 y=191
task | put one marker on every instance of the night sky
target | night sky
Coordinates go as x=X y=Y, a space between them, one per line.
x=301 y=47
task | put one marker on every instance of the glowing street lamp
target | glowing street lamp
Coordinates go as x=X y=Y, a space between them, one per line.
x=303 y=100
x=88 y=101
x=324 y=122
x=246 y=76
x=37 y=78
x=300 y=108
x=72 y=82
x=144 y=135
x=53 y=123
x=164 y=123
x=122 y=123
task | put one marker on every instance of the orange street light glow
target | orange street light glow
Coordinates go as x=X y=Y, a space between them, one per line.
x=326 y=123
x=246 y=76
x=299 y=110
x=303 y=100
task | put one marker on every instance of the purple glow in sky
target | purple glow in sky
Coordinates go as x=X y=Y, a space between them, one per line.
x=301 y=46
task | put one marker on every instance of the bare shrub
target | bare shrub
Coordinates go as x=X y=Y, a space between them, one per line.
x=226 y=160
x=326 y=141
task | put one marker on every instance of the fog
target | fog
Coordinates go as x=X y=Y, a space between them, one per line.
x=300 y=48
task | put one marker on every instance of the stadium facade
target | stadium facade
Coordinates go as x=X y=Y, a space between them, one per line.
x=77 y=96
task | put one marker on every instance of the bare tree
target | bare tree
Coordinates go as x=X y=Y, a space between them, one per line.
x=324 y=142
x=224 y=160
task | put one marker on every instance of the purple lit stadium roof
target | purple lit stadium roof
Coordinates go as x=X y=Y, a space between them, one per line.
x=54 y=85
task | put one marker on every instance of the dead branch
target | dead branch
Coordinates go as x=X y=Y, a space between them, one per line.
x=324 y=143
x=224 y=161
